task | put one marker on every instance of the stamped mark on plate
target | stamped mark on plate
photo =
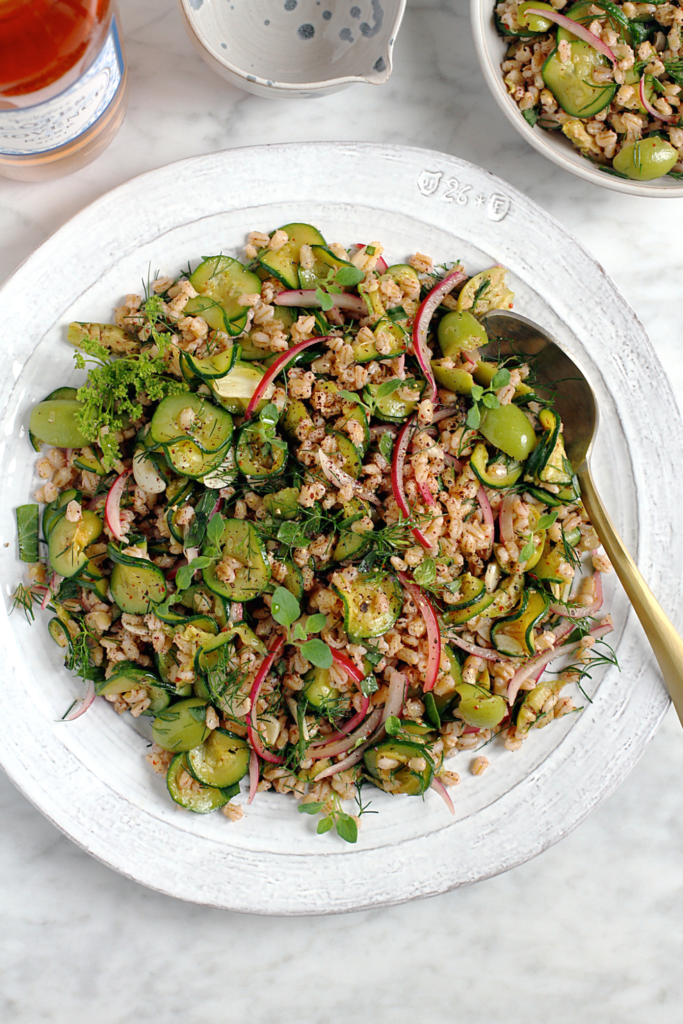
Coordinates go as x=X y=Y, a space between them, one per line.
x=431 y=183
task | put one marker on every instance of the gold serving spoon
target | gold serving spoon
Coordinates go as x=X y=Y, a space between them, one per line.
x=575 y=402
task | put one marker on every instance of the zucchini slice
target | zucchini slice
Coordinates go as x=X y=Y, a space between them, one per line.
x=234 y=391
x=202 y=800
x=319 y=691
x=136 y=584
x=211 y=367
x=514 y=634
x=283 y=504
x=405 y=775
x=324 y=261
x=499 y=472
x=473 y=600
x=284 y=264
x=181 y=726
x=129 y=676
x=189 y=417
x=223 y=280
x=397 y=407
x=67 y=542
x=54 y=422
x=394 y=343
x=257 y=456
x=221 y=761
x=571 y=83
x=242 y=542
x=372 y=603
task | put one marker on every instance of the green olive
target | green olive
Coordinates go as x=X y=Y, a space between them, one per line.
x=460 y=332
x=508 y=429
x=534 y=22
x=54 y=422
x=645 y=159
x=452 y=378
x=478 y=708
x=318 y=690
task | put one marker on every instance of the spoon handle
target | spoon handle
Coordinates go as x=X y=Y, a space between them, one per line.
x=666 y=644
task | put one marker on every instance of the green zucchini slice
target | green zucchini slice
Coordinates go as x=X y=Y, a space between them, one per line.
x=284 y=264
x=67 y=542
x=325 y=261
x=54 y=422
x=499 y=472
x=202 y=800
x=365 y=351
x=372 y=603
x=234 y=391
x=221 y=761
x=136 y=584
x=571 y=83
x=514 y=634
x=473 y=600
x=129 y=676
x=211 y=367
x=401 y=778
x=224 y=280
x=242 y=542
x=259 y=456
x=189 y=417
x=181 y=726
x=398 y=406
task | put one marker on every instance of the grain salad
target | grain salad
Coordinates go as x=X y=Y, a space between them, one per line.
x=608 y=75
x=303 y=518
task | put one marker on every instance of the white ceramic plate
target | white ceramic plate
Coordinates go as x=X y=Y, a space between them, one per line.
x=90 y=777
x=491 y=50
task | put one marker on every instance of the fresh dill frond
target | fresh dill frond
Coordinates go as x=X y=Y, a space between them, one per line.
x=23 y=597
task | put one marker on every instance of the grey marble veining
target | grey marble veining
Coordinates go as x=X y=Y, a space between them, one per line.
x=592 y=931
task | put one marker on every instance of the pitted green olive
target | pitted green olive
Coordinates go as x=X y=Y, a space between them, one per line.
x=645 y=159
x=460 y=332
x=508 y=429
x=480 y=709
x=534 y=22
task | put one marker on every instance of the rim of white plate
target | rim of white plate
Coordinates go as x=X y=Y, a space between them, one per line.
x=412 y=849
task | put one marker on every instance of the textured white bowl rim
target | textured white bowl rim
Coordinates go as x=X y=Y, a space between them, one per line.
x=481 y=17
x=318 y=85
x=595 y=753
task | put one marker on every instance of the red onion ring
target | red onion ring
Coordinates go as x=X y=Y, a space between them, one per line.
x=397 y=467
x=433 y=632
x=539 y=661
x=668 y=118
x=507 y=533
x=479 y=652
x=306 y=298
x=423 y=318
x=438 y=786
x=579 y=611
x=112 y=506
x=341 y=746
x=252 y=721
x=253 y=775
x=82 y=704
x=580 y=31
x=279 y=364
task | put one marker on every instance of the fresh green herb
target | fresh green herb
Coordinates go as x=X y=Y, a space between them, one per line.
x=111 y=394
x=23 y=597
x=369 y=685
x=424 y=574
x=386 y=445
x=28 y=518
x=486 y=396
x=185 y=573
x=318 y=653
x=531 y=115
x=347 y=828
x=286 y=610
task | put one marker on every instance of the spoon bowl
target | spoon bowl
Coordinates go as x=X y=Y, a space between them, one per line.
x=561 y=379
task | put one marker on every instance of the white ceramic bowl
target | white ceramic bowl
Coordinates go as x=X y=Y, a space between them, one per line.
x=491 y=49
x=90 y=776
x=301 y=48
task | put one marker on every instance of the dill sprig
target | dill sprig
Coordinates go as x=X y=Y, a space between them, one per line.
x=23 y=597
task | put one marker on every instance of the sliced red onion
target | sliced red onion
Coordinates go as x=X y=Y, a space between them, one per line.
x=345 y=663
x=279 y=364
x=397 y=467
x=439 y=787
x=421 y=325
x=539 y=661
x=451 y=460
x=580 y=31
x=427 y=495
x=348 y=762
x=306 y=298
x=444 y=414
x=505 y=519
x=253 y=775
x=579 y=611
x=341 y=746
x=433 y=632
x=479 y=652
x=252 y=720
x=112 y=506
x=668 y=118
x=51 y=590
x=82 y=704
x=340 y=478
x=471 y=730
x=395 y=697
x=487 y=514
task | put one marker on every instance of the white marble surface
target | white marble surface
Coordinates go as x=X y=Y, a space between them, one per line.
x=591 y=931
